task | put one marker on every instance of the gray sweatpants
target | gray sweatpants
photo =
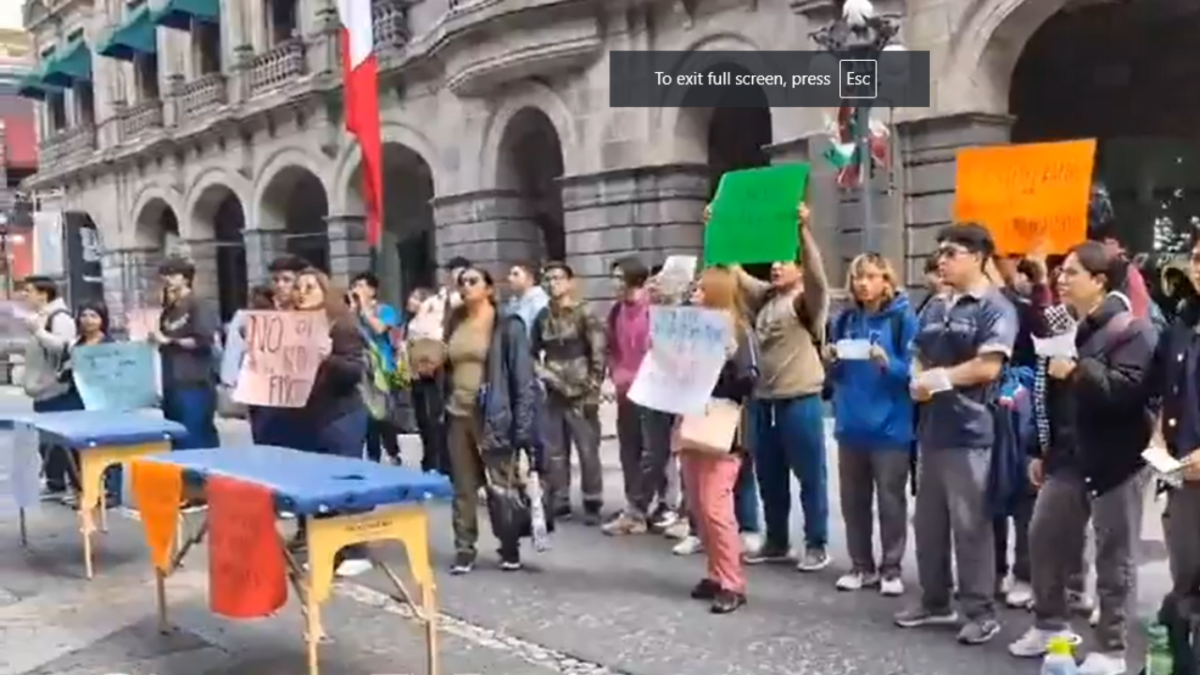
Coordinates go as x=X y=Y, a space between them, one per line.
x=566 y=423
x=1181 y=525
x=644 y=437
x=952 y=517
x=865 y=477
x=1057 y=535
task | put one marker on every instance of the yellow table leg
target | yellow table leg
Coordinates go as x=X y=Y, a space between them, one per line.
x=408 y=525
x=92 y=463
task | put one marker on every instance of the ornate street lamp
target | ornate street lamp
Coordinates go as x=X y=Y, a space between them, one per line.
x=860 y=34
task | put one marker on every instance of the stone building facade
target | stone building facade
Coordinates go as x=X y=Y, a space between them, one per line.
x=217 y=132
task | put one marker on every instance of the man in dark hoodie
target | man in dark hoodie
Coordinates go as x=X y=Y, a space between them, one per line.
x=186 y=336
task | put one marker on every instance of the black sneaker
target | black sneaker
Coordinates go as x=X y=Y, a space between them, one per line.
x=510 y=562
x=562 y=512
x=770 y=553
x=707 y=589
x=53 y=492
x=464 y=563
x=591 y=515
x=727 y=601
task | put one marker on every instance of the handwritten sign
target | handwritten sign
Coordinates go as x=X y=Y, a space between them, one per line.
x=116 y=376
x=282 y=354
x=141 y=323
x=20 y=469
x=235 y=350
x=687 y=353
x=1028 y=196
x=159 y=490
x=753 y=217
x=245 y=558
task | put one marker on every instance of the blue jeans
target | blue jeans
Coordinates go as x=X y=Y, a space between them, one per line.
x=344 y=436
x=788 y=437
x=195 y=407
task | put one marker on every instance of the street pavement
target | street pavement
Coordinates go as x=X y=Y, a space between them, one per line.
x=591 y=605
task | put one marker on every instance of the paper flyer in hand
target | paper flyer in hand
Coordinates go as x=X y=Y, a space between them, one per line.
x=1167 y=467
x=1057 y=347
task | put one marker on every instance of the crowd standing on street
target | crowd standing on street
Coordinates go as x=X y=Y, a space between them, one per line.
x=946 y=401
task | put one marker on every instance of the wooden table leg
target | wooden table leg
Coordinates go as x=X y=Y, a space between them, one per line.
x=160 y=588
x=312 y=634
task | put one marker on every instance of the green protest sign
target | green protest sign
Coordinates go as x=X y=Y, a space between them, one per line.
x=753 y=216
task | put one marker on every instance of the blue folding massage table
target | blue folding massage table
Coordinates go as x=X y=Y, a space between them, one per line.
x=102 y=439
x=374 y=502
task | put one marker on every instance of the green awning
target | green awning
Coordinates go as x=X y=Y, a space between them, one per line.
x=179 y=14
x=32 y=85
x=74 y=65
x=138 y=35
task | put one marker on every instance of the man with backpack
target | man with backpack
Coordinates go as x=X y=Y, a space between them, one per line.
x=52 y=330
x=379 y=323
x=568 y=347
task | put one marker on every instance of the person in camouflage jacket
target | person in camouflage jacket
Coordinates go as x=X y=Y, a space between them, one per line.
x=568 y=348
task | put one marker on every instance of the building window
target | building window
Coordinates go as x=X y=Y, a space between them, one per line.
x=85 y=104
x=145 y=68
x=281 y=20
x=56 y=111
x=206 y=41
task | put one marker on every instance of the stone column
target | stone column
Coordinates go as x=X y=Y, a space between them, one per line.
x=130 y=280
x=348 y=250
x=203 y=254
x=491 y=228
x=262 y=246
x=927 y=175
x=650 y=212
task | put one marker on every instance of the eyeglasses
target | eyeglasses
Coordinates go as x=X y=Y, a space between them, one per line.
x=951 y=251
x=555 y=277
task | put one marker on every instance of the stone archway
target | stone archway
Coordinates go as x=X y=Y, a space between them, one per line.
x=156 y=229
x=1139 y=109
x=531 y=164
x=219 y=210
x=407 y=250
x=294 y=201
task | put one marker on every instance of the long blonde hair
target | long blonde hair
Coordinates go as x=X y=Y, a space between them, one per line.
x=721 y=291
x=858 y=265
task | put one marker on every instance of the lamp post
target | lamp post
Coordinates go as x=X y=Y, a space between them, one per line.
x=861 y=34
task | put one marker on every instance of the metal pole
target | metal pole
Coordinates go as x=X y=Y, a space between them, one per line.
x=865 y=171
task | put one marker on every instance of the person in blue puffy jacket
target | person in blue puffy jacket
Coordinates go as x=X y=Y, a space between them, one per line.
x=869 y=364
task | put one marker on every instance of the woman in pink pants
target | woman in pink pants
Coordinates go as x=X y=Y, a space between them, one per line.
x=709 y=478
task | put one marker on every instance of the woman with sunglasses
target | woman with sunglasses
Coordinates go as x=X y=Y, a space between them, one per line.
x=491 y=410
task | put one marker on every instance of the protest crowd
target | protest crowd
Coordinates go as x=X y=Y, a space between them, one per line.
x=1011 y=407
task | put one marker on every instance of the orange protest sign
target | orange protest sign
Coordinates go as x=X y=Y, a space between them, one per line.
x=246 y=573
x=1030 y=196
x=158 y=489
x=283 y=352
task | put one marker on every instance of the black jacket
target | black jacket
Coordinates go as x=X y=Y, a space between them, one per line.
x=1100 y=416
x=335 y=388
x=738 y=375
x=1177 y=380
x=509 y=396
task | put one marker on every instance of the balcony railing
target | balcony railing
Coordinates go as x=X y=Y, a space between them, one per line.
x=67 y=145
x=275 y=67
x=140 y=118
x=391 y=24
x=202 y=94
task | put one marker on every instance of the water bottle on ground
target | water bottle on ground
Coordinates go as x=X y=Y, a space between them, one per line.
x=1159 y=658
x=1060 y=657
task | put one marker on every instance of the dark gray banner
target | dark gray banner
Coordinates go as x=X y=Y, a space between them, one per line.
x=755 y=79
x=85 y=277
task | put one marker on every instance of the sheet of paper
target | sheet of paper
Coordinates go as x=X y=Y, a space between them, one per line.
x=1057 y=347
x=936 y=380
x=677 y=272
x=680 y=370
x=1161 y=461
x=853 y=350
x=20 y=469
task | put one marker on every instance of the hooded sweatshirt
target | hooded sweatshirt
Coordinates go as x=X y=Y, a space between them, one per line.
x=46 y=353
x=872 y=406
x=527 y=306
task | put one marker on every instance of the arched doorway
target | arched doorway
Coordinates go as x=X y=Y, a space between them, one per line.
x=531 y=164
x=295 y=202
x=157 y=231
x=736 y=137
x=1126 y=82
x=407 y=248
x=220 y=211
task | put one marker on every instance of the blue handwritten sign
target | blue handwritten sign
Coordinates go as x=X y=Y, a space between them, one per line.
x=687 y=353
x=115 y=375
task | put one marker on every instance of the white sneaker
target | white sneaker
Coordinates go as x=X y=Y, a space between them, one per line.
x=892 y=587
x=1004 y=586
x=679 y=530
x=689 y=546
x=1080 y=603
x=1019 y=596
x=1034 y=643
x=1094 y=619
x=354 y=567
x=856 y=581
x=752 y=543
x=1104 y=663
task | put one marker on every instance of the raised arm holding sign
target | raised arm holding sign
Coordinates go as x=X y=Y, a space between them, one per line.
x=753 y=216
x=282 y=353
